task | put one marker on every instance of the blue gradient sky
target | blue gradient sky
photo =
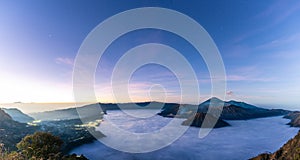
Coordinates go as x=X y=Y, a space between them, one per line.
x=258 y=40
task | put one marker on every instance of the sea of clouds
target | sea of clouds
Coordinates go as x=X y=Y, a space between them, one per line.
x=242 y=140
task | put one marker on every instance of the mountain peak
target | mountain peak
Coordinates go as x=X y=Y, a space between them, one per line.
x=214 y=99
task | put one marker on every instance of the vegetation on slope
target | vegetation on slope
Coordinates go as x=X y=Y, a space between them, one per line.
x=38 y=146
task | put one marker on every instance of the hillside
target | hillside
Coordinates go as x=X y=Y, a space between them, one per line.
x=11 y=132
x=198 y=120
x=72 y=132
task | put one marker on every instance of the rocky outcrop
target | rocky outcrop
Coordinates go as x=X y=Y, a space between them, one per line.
x=198 y=120
x=289 y=151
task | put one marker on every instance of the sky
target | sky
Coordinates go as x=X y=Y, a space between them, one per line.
x=258 y=42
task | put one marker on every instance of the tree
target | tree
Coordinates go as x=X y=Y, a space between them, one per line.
x=40 y=145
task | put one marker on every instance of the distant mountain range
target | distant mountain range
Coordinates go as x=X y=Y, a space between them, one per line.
x=91 y=111
x=229 y=110
x=88 y=112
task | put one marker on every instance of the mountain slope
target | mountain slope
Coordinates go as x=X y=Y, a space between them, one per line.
x=234 y=112
x=198 y=120
x=242 y=104
x=18 y=115
x=11 y=132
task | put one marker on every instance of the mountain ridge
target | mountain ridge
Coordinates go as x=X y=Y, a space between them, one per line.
x=232 y=110
x=18 y=115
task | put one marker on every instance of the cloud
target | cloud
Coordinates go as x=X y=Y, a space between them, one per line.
x=279 y=9
x=248 y=73
x=273 y=15
x=249 y=78
x=229 y=93
x=236 y=78
x=64 y=60
x=139 y=91
x=289 y=40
